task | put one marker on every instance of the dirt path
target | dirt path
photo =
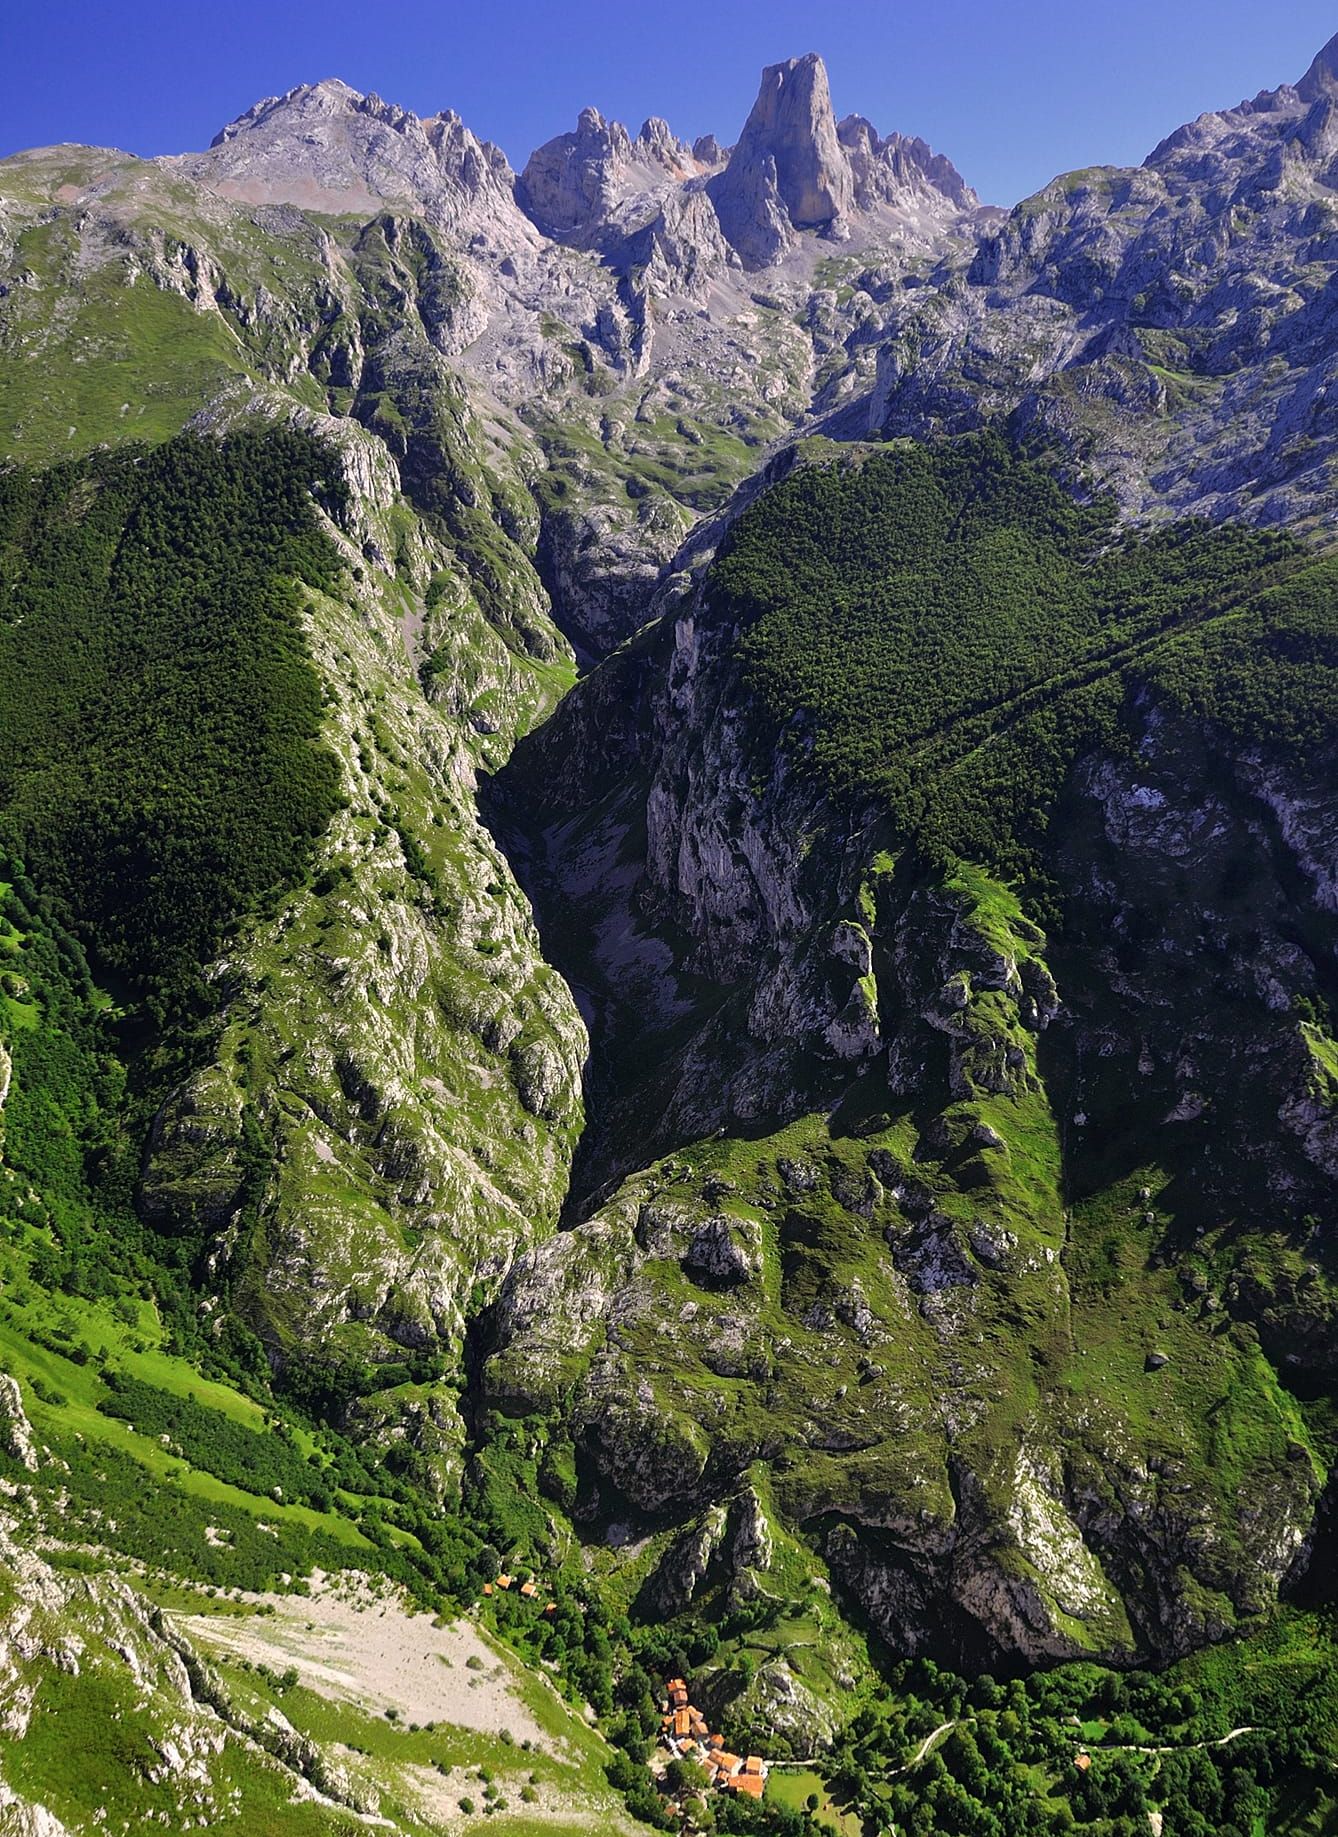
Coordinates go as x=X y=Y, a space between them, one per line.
x=377 y=1654
x=1190 y=1747
x=922 y=1752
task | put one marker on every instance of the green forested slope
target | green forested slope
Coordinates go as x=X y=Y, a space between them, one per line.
x=946 y=629
x=998 y=1286
x=160 y=765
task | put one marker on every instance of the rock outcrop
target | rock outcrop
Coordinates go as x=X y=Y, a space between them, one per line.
x=576 y=187
x=1167 y=326
x=16 y=1435
x=788 y=171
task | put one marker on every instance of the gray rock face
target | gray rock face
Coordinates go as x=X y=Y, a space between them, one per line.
x=572 y=186
x=1170 y=325
x=719 y=1251
x=682 y=249
x=791 y=125
x=682 y=1569
x=1322 y=77
x=751 y=1545
x=16 y=1435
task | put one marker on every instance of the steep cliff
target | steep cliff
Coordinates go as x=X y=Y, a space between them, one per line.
x=952 y=1215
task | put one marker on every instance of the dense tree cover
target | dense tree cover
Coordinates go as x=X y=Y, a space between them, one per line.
x=945 y=630
x=1009 y=1767
x=60 y=1125
x=258 y=1462
x=160 y=765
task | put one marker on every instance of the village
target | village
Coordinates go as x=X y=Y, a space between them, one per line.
x=685 y=1733
x=684 y=1730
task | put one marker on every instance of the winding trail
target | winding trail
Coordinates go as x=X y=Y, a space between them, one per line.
x=922 y=1752
x=1190 y=1747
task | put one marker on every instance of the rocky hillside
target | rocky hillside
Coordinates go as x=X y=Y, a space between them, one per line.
x=669 y=915
x=1171 y=324
x=950 y=1211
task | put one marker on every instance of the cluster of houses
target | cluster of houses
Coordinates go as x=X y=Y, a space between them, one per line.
x=528 y=1590
x=687 y=1736
x=683 y=1727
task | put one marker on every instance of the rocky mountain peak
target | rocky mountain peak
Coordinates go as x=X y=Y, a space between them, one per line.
x=574 y=185
x=793 y=123
x=326 y=146
x=795 y=169
x=644 y=199
x=325 y=97
x=885 y=168
x=1322 y=77
x=658 y=140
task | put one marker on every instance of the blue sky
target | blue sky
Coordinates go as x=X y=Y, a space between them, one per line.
x=1013 y=90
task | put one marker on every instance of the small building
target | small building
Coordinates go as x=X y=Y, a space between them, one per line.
x=505 y=1581
x=1083 y=1762
x=682 y=1725
x=487 y=1588
x=755 y=1765
x=752 y=1785
x=528 y=1590
x=551 y=1608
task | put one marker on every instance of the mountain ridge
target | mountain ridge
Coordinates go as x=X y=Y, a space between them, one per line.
x=749 y=746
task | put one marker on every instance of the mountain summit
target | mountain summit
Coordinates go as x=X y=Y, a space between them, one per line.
x=793 y=127
x=1322 y=77
x=327 y=147
x=795 y=169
